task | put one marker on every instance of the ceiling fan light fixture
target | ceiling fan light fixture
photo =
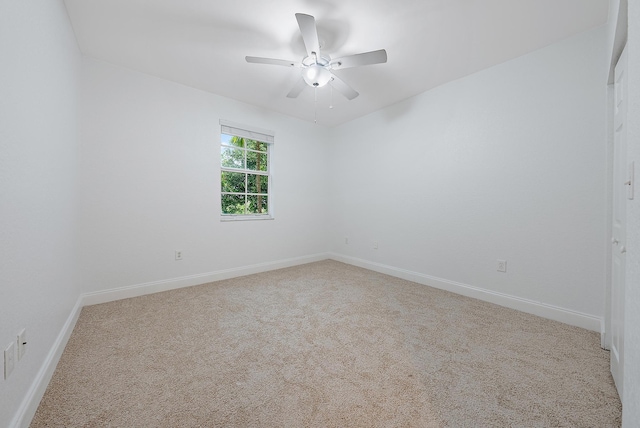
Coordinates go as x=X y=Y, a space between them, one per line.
x=316 y=75
x=316 y=68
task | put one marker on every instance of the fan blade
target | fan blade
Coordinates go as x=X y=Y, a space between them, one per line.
x=340 y=86
x=258 y=60
x=297 y=88
x=307 y=24
x=367 y=58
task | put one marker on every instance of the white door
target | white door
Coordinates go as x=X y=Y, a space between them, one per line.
x=618 y=239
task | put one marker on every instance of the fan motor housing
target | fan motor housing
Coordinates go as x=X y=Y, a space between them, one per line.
x=319 y=60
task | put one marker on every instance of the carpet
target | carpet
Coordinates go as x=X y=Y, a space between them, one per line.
x=325 y=344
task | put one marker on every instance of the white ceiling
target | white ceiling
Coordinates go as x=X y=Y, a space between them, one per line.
x=202 y=43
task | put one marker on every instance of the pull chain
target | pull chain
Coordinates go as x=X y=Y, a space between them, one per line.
x=315 y=101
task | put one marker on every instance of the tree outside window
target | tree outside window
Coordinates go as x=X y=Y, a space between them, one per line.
x=244 y=176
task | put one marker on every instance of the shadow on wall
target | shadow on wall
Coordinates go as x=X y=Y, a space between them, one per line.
x=398 y=110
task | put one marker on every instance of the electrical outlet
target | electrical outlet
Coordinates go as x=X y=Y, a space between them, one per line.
x=9 y=360
x=22 y=343
x=375 y=245
x=502 y=265
x=178 y=254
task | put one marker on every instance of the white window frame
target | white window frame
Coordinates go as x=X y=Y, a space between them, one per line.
x=252 y=133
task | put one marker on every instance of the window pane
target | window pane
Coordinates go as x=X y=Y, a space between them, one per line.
x=261 y=162
x=257 y=161
x=233 y=140
x=226 y=139
x=257 y=183
x=256 y=145
x=244 y=176
x=233 y=182
x=232 y=158
x=257 y=204
x=233 y=204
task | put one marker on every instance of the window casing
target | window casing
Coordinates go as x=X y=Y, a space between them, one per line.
x=245 y=176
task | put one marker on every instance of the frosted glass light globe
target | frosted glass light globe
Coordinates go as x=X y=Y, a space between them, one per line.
x=316 y=75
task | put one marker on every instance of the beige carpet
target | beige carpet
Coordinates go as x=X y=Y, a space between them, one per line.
x=325 y=345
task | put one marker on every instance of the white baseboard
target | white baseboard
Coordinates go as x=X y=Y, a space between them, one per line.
x=541 y=309
x=187 y=281
x=30 y=403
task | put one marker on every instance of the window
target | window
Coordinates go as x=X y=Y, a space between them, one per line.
x=245 y=172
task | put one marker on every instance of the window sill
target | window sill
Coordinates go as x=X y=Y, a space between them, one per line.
x=245 y=217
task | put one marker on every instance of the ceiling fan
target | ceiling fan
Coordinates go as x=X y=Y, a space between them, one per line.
x=317 y=67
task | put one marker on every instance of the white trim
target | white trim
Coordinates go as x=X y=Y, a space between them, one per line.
x=36 y=391
x=187 y=281
x=541 y=309
x=250 y=132
x=605 y=337
x=241 y=217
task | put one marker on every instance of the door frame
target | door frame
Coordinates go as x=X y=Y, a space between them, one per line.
x=615 y=187
x=605 y=333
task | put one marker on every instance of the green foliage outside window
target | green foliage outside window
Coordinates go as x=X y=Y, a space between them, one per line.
x=244 y=176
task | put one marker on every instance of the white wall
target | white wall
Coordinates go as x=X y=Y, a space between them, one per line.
x=150 y=182
x=631 y=401
x=508 y=163
x=38 y=176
